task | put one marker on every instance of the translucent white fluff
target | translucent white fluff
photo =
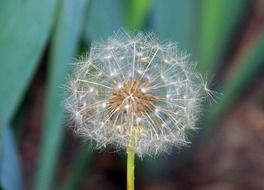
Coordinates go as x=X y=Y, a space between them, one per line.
x=135 y=87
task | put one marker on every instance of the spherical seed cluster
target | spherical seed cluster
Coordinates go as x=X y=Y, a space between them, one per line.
x=133 y=87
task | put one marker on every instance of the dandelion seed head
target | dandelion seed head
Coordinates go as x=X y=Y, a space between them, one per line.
x=135 y=85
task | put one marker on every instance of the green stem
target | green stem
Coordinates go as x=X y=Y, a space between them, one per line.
x=131 y=161
x=130 y=168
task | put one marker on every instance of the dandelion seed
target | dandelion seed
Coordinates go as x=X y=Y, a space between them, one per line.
x=136 y=87
x=91 y=90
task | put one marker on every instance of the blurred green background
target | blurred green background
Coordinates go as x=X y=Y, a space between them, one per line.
x=40 y=38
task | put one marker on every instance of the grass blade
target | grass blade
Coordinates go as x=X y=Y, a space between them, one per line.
x=218 y=21
x=100 y=26
x=22 y=40
x=135 y=13
x=10 y=168
x=63 y=49
x=176 y=20
x=248 y=66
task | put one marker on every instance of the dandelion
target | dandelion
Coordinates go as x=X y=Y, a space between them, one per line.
x=135 y=93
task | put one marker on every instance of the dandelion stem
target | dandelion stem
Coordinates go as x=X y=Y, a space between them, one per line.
x=130 y=164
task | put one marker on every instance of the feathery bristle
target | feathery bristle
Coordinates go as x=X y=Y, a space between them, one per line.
x=135 y=84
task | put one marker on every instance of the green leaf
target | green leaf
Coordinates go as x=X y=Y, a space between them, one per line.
x=10 y=168
x=176 y=20
x=104 y=17
x=63 y=48
x=135 y=13
x=218 y=21
x=25 y=26
x=247 y=67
